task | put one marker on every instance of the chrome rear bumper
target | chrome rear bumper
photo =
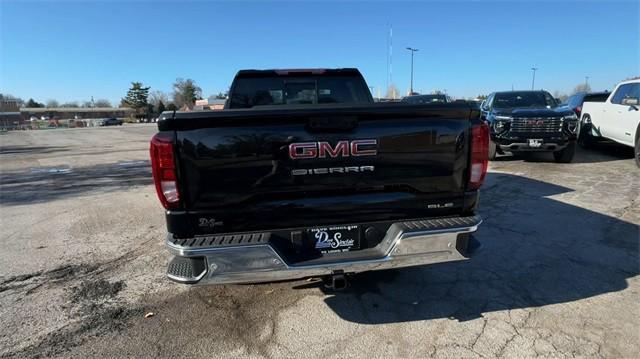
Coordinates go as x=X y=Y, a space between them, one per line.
x=405 y=244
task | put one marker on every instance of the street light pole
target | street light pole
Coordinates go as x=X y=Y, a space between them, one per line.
x=533 y=81
x=586 y=82
x=412 y=51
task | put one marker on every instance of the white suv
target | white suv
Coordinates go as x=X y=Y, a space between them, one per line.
x=617 y=118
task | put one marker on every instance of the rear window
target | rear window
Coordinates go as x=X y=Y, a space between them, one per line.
x=270 y=91
x=575 y=100
x=596 y=97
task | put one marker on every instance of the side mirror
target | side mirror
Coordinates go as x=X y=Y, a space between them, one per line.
x=631 y=101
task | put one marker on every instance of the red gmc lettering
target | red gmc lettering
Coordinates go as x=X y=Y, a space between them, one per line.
x=303 y=150
x=323 y=149
x=356 y=151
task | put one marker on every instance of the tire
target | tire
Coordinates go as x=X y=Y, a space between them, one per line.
x=636 y=148
x=585 y=138
x=566 y=154
x=492 y=150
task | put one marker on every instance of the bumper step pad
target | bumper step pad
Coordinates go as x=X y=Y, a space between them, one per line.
x=187 y=269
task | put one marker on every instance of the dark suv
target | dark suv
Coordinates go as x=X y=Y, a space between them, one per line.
x=525 y=121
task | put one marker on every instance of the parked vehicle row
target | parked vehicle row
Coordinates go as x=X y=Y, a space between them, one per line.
x=532 y=121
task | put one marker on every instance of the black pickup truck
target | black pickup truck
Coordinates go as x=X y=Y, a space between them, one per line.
x=527 y=121
x=303 y=175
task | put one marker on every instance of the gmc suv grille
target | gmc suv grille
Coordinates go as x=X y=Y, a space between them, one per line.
x=536 y=125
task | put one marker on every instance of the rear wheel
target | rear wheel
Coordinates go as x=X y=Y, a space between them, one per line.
x=565 y=155
x=492 y=150
x=637 y=147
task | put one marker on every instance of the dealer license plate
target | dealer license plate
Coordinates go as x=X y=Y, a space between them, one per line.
x=535 y=143
x=335 y=239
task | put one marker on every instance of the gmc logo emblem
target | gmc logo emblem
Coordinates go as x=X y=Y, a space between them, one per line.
x=323 y=149
x=534 y=122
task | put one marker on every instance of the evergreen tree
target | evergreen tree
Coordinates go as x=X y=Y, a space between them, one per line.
x=31 y=103
x=137 y=97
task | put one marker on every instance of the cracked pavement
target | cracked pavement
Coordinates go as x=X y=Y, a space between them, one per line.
x=83 y=262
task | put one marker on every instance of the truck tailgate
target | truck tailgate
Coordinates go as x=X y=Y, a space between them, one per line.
x=252 y=169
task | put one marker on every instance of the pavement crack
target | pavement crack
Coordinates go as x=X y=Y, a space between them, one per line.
x=475 y=341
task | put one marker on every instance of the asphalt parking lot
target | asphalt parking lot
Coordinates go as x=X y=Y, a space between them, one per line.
x=83 y=263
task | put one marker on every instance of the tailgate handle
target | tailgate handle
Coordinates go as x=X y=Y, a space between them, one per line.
x=332 y=124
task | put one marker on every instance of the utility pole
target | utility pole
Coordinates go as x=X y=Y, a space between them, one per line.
x=586 y=82
x=533 y=81
x=391 y=60
x=412 y=51
x=388 y=47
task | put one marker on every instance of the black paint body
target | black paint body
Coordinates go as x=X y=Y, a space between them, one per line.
x=235 y=170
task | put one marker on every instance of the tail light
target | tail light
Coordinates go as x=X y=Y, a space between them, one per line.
x=163 y=166
x=479 y=155
x=578 y=110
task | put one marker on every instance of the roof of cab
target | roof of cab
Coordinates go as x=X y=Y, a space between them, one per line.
x=285 y=72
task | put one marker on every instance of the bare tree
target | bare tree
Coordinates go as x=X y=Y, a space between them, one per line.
x=70 y=104
x=52 y=103
x=102 y=103
x=392 y=92
x=560 y=96
x=155 y=97
x=186 y=92
x=581 y=88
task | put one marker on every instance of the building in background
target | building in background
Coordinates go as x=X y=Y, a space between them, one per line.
x=211 y=103
x=10 y=117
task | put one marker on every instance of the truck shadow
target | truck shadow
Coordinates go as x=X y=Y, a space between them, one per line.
x=43 y=184
x=604 y=151
x=536 y=251
x=19 y=150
